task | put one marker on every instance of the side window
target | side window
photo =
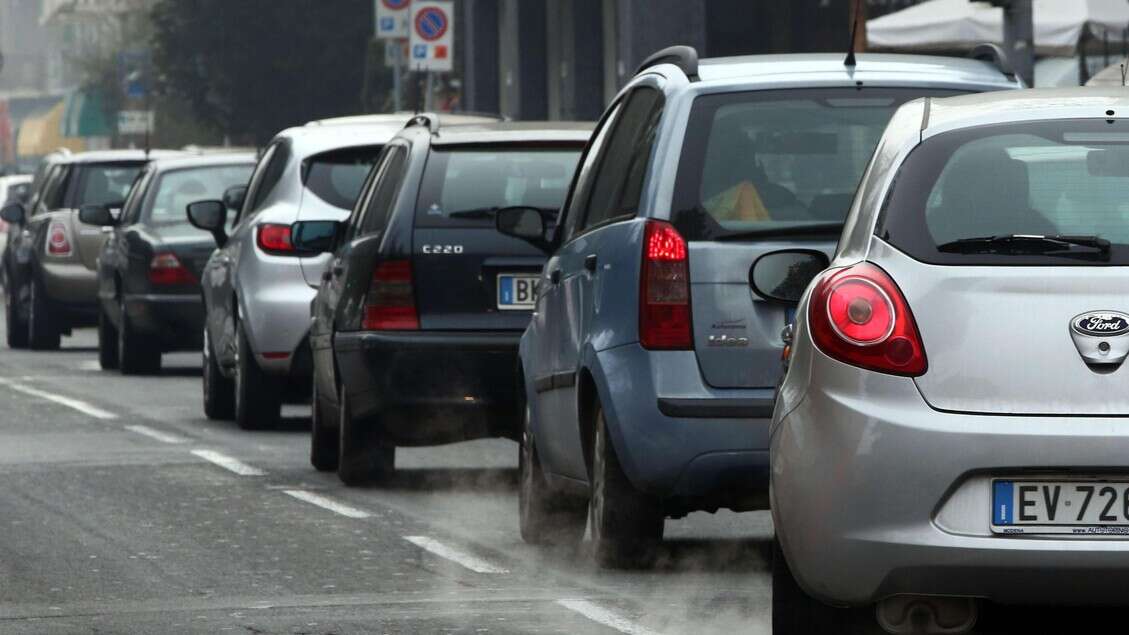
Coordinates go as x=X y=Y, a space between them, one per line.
x=384 y=192
x=54 y=189
x=619 y=179
x=266 y=177
x=582 y=186
x=132 y=208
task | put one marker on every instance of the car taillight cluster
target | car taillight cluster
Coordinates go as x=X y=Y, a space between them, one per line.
x=275 y=239
x=664 y=294
x=390 y=304
x=167 y=270
x=860 y=317
x=58 y=242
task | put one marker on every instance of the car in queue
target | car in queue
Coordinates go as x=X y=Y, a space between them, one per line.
x=257 y=287
x=649 y=369
x=415 y=327
x=50 y=283
x=149 y=267
x=15 y=188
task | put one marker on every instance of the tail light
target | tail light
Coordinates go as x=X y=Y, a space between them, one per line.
x=275 y=239
x=58 y=240
x=860 y=317
x=390 y=304
x=166 y=269
x=664 y=295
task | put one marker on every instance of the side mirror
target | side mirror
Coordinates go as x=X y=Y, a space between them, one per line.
x=210 y=216
x=315 y=236
x=526 y=223
x=96 y=215
x=234 y=196
x=783 y=276
x=12 y=213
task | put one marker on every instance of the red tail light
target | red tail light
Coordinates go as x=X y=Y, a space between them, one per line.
x=391 y=301
x=58 y=240
x=664 y=295
x=275 y=239
x=860 y=317
x=165 y=269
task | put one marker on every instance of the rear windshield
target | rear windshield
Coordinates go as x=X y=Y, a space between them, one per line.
x=169 y=198
x=336 y=177
x=1045 y=178
x=107 y=183
x=463 y=187
x=768 y=161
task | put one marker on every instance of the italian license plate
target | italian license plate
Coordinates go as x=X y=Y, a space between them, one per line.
x=517 y=292
x=1060 y=507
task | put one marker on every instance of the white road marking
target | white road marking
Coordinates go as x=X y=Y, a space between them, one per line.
x=327 y=503
x=76 y=404
x=474 y=563
x=228 y=463
x=611 y=619
x=164 y=437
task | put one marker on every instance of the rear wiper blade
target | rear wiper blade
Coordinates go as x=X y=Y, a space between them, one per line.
x=815 y=229
x=489 y=212
x=1020 y=244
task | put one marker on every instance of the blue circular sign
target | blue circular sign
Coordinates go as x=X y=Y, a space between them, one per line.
x=396 y=5
x=431 y=23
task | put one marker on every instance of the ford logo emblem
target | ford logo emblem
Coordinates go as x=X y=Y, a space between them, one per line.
x=1101 y=323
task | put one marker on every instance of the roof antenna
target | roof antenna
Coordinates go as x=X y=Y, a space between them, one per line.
x=1123 y=71
x=856 y=14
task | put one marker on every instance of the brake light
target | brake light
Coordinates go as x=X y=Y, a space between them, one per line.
x=58 y=240
x=275 y=239
x=390 y=304
x=664 y=294
x=860 y=317
x=166 y=269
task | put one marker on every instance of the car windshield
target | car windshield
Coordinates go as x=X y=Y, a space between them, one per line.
x=107 y=183
x=1006 y=194
x=764 y=161
x=175 y=189
x=463 y=187
x=336 y=177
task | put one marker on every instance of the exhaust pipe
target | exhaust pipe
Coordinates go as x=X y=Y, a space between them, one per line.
x=927 y=615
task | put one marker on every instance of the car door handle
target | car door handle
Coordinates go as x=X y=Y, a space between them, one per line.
x=590 y=262
x=555 y=276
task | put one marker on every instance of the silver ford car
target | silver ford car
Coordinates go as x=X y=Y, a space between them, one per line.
x=953 y=429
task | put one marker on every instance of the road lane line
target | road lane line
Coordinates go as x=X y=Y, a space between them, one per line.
x=327 y=503
x=164 y=437
x=611 y=619
x=228 y=463
x=474 y=563
x=75 y=404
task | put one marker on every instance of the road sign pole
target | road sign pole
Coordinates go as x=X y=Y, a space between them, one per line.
x=429 y=98
x=397 y=78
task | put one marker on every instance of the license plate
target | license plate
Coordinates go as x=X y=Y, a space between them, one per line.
x=1060 y=507
x=517 y=292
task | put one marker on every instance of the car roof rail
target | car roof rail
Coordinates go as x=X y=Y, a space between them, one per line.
x=682 y=56
x=428 y=120
x=988 y=52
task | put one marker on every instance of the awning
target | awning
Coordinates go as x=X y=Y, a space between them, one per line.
x=42 y=134
x=84 y=116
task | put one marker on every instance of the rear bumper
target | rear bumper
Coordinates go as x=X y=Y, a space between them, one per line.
x=177 y=319
x=426 y=388
x=70 y=284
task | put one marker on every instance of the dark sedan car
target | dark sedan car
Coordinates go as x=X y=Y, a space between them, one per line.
x=149 y=268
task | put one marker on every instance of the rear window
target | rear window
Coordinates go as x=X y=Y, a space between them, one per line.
x=169 y=198
x=464 y=187
x=1067 y=178
x=766 y=161
x=336 y=177
x=106 y=183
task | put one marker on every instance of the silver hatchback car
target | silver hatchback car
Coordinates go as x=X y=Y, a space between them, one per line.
x=952 y=432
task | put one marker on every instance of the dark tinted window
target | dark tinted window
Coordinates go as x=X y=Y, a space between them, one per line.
x=169 y=198
x=389 y=179
x=586 y=172
x=463 y=187
x=336 y=177
x=768 y=160
x=132 y=209
x=106 y=183
x=619 y=179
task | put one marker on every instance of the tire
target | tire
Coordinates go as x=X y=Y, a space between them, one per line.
x=42 y=335
x=138 y=354
x=16 y=326
x=544 y=516
x=796 y=612
x=219 y=391
x=107 y=342
x=324 y=439
x=361 y=459
x=258 y=399
x=627 y=525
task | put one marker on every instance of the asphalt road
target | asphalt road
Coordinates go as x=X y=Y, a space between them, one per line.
x=124 y=510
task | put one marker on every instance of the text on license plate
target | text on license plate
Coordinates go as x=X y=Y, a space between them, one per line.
x=1068 y=507
x=517 y=291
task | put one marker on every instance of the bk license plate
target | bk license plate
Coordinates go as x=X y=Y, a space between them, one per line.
x=517 y=292
x=1060 y=507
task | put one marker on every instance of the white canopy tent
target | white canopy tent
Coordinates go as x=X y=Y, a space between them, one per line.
x=958 y=25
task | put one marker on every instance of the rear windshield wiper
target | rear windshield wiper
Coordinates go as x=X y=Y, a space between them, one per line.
x=1020 y=244
x=489 y=212
x=806 y=229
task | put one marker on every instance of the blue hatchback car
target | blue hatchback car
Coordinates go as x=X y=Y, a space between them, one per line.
x=650 y=365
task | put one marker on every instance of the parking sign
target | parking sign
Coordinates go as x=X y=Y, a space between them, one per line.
x=433 y=35
x=392 y=18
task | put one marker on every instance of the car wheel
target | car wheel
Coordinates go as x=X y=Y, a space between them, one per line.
x=545 y=516
x=137 y=354
x=361 y=458
x=323 y=437
x=794 y=611
x=41 y=333
x=107 y=342
x=16 y=326
x=627 y=525
x=219 y=391
x=258 y=403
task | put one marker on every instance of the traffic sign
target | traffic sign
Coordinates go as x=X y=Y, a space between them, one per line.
x=135 y=121
x=392 y=18
x=433 y=35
